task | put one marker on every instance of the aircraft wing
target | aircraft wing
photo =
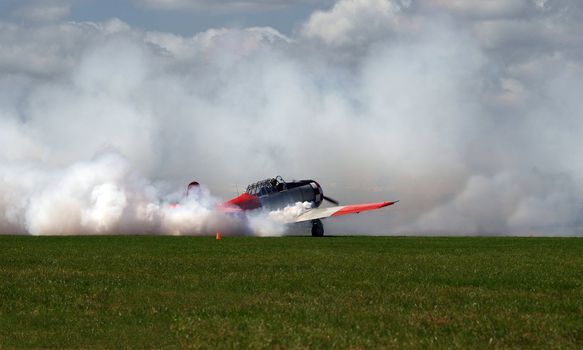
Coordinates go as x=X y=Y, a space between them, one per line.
x=321 y=213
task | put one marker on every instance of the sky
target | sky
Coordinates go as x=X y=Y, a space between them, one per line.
x=469 y=112
x=179 y=17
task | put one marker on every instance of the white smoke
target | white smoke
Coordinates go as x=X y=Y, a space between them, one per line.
x=290 y=212
x=105 y=196
x=275 y=223
x=472 y=131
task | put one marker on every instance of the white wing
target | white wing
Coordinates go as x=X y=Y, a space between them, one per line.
x=320 y=213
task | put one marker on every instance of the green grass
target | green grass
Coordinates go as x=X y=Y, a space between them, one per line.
x=292 y=292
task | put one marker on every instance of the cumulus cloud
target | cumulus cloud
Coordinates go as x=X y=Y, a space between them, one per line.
x=353 y=22
x=475 y=132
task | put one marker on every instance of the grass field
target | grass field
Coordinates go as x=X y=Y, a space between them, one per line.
x=291 y=292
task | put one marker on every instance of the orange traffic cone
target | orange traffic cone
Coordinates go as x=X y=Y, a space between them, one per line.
x=218 y=236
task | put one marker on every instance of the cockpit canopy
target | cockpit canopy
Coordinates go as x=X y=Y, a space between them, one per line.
x=267 y=186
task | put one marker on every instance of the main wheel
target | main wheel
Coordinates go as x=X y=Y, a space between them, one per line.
x=317 y=228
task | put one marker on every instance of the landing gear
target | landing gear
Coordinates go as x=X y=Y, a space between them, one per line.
x=317 y=228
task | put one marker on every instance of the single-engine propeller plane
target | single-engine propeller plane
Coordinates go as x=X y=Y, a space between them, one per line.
x=275 y=193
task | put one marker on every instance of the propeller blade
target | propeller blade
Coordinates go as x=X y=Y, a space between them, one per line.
x=331 y=200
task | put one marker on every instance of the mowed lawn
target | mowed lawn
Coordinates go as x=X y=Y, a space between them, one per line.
x=290 y=292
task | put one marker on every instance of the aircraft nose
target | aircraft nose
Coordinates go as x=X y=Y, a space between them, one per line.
x=318 y=193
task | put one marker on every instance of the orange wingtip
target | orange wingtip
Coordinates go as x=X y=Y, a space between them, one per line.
x=357 y=208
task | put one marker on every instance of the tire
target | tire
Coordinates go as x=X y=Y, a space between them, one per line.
x=317 y=228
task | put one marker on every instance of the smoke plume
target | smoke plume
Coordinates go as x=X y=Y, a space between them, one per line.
x=470 y=116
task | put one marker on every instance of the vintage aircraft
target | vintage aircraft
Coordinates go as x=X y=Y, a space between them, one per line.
x=275 y=193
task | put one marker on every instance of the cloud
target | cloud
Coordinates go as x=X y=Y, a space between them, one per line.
x=353 y=22
x=212 y=42
x=541 y=34
x=51 y=48
x=44 y=10
x=222 y=6
x=478 y=9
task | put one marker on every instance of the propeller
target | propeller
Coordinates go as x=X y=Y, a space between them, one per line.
x=331 y=200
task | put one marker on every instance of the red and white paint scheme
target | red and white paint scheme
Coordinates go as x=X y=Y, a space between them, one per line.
x=275 y=193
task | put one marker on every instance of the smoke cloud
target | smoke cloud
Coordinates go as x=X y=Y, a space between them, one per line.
x=105 y=196
x=468 y=117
